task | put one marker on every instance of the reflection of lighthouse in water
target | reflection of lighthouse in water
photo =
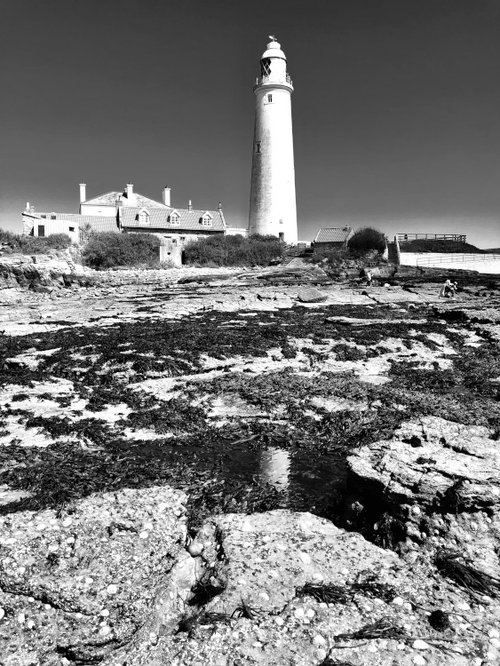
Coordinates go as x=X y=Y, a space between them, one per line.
x=274 y=467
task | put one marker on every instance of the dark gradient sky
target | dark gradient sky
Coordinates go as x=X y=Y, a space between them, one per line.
x=396 y=106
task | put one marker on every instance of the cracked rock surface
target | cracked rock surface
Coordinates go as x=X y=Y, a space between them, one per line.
x=262 y=614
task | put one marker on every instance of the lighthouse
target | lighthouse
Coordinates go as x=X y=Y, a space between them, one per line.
x=273 y=208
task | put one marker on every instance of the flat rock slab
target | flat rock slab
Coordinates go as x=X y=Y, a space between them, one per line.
x=79 y=584
x=429 y=460
x=262 y=618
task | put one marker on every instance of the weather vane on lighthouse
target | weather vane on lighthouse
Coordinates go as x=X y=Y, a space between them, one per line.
x=273 y=208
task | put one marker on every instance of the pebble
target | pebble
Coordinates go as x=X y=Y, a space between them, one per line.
x=21 y=618
x=495 y=642
x=319 y=640
x=30 y=624
x=317 y=577
x=419 y=660
x=153 y=638
x=104 y=612
x=104 y=631
x=397 y=601
x=67 y=522
x=112 y=589
x=280 y=621
x=310 y=613
x=420 y=645
x=143 y=535
x=299 y=613
x=493 y=633
x=264 y=596
x=2 y=613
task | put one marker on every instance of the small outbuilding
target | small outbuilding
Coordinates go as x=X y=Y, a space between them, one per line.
x=332 y=238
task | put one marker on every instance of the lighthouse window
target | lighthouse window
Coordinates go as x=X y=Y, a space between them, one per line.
x=269 y=98
x=265 y=67
x=257 y=148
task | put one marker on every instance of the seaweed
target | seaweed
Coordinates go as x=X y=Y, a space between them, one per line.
x=465 y=575
x=330 y=593
x=382 y=628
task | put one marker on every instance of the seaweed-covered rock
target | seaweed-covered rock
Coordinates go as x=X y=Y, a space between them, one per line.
x=78 y=584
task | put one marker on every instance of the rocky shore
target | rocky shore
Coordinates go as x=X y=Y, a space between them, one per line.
x=249 y=466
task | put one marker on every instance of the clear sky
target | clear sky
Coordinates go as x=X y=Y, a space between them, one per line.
x=396 y=107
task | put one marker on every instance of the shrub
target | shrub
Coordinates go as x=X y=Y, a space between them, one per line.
x=33 y=244
x=237 y=250
x=106 y=250
x=367 y=238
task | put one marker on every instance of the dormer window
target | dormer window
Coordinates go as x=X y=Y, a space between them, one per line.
x=174 y=217
x=143 y=217
x=206 y=220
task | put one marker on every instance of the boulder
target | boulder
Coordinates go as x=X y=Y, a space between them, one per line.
x=430 y=461
x=311 y=295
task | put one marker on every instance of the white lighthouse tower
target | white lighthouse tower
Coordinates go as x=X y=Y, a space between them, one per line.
x=273 y=208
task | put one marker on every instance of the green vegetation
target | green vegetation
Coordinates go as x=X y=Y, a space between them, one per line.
x=367 y=238
x=436 y=245
x=107 y=250
x=234 y=251
x=31 y=244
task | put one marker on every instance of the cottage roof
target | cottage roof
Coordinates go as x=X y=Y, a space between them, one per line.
x=333 y=235
x=97 y=222
x=188 y=220
x=109 y=199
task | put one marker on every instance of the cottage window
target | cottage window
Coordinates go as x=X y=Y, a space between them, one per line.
x=44 y=217
x=41 y=230
x=52 y=217
x=143 y=217
x=269 y=98
x=71 y=228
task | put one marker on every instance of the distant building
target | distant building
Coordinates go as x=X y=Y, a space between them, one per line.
x=332 y=237
x=131 y=212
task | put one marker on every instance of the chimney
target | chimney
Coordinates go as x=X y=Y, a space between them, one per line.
x=130 y=191
x=190 y=205
x=27 y=207
x=83 y=194
x=220 y=205
x=166 y=196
